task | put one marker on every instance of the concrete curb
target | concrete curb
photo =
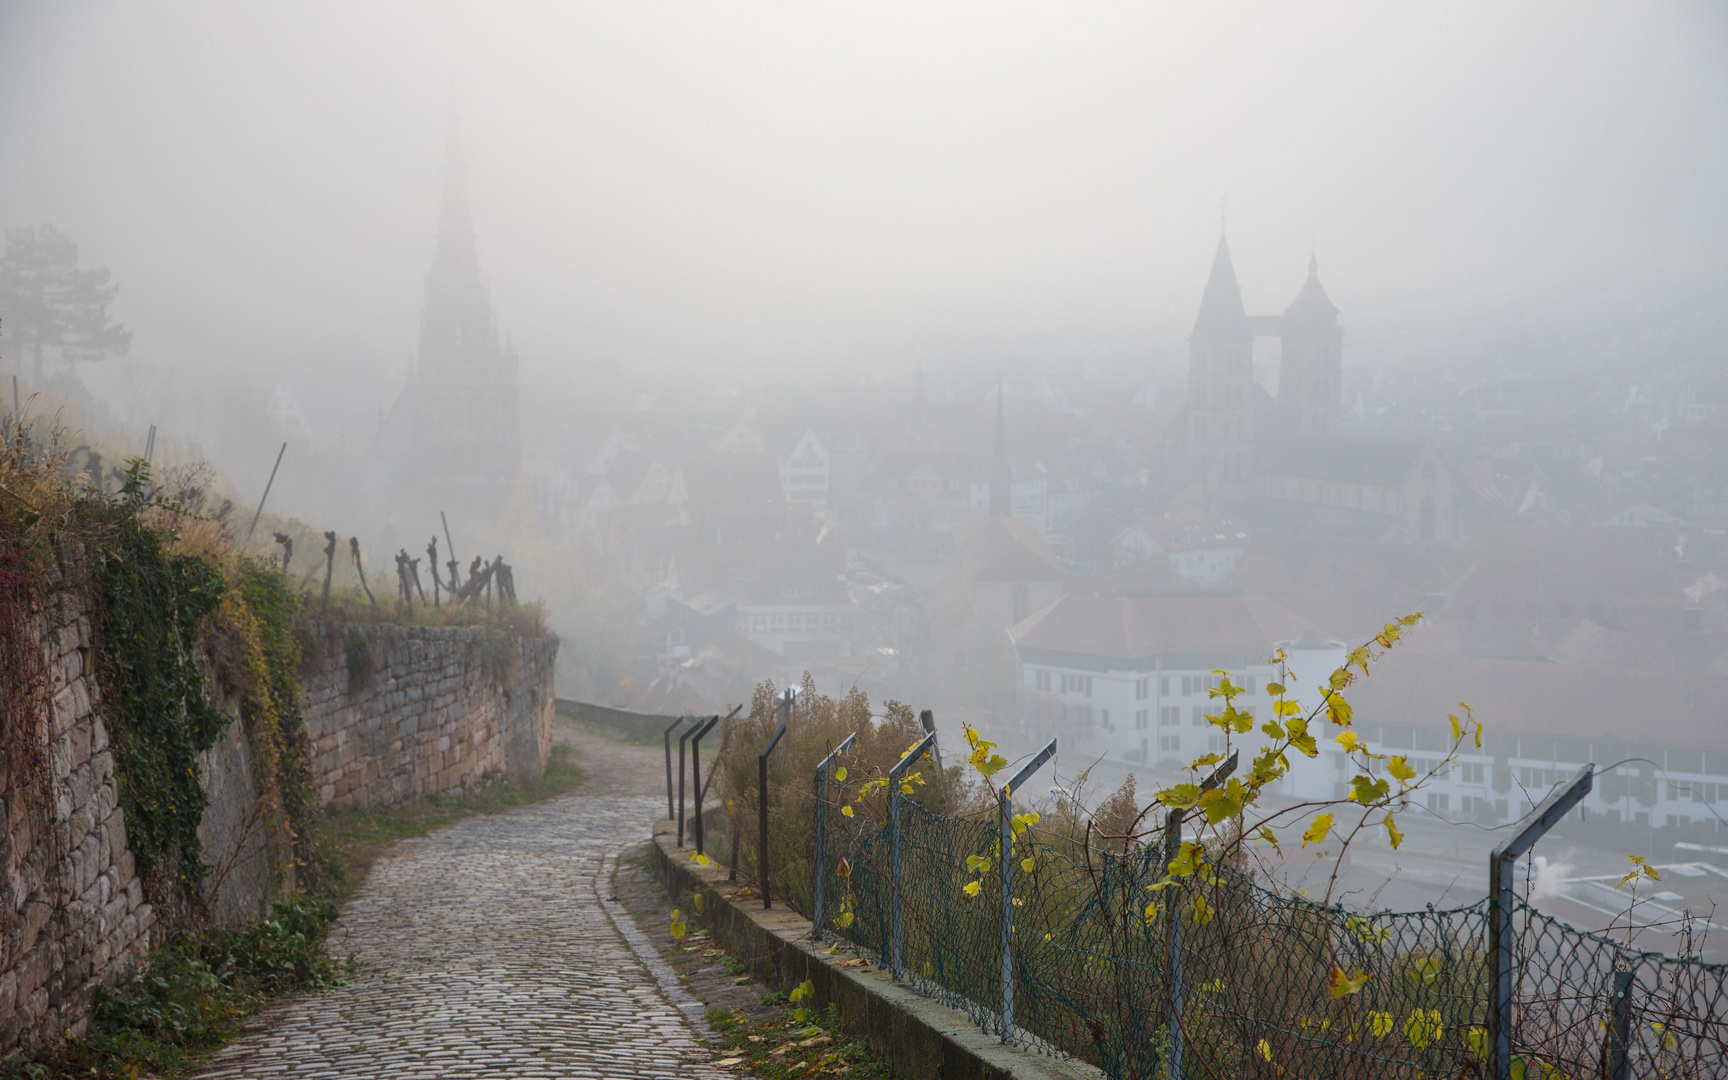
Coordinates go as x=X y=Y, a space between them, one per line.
x=919 y=1038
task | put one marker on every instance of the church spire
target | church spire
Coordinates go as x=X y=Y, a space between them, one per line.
x=1001 y=477
x=1222 y=317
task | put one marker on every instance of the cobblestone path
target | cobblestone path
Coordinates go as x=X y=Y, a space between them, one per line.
x=489 y=948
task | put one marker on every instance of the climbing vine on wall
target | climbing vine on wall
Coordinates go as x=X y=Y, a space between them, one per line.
x=270 y=707
x=151 y=604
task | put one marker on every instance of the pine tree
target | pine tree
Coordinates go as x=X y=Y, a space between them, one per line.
x=49 y=302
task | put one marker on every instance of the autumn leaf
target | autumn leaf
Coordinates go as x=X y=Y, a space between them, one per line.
x=1343 y=985
x=972 y=888
x=1367 y=790
x=1028 y=865
x=1338 y=710
x=1264 y=1048
x=1392 y=834
x=977 y=864
x=1202 y=911
x=1400 y=769
x=1318 y=831
x=846 y=811
x=840 y=775
x=1180 y=796
x=1346 y=739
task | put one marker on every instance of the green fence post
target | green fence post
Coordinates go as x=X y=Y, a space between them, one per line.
x=894 y=776
x=1005 y=820
x=821 y=877
x=1500 y=896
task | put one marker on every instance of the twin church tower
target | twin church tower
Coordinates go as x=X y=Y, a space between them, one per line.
x=1228 y=413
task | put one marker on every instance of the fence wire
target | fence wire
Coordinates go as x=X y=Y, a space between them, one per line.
x=1224 y=978
x=1673 y=1011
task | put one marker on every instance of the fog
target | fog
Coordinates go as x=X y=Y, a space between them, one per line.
x=753 y=308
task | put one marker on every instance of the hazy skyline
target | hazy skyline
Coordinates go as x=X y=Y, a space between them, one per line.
x=738 y=189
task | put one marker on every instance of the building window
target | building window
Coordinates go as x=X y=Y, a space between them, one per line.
x=1170 y=716
x=1215 y=743
x=1198 y=716
x=1163 y=686
x=1142 y=689
x=1041 y=681
x=1104 y=719
x=1169 y=744
x=1142 y=719
x=1077 y=684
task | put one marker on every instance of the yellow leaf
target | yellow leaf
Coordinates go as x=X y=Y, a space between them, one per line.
x=1180 y=796
x=1343 y=985
x=1287 y=708
x=696 y=902
x=1273 y=689
x=1151 y=914
x=701 y=860
x=846 y=811
x=1423 y=1027
x=1317 y=832
x=994 y=765
x=1400 y=769
x=1392 y=833
x=1380 y=1023
x=844 y=920
x=840 y=775
x=977 y=864
x=1028 y=865
x=1477 y=1040
x=972 y=888
x=1338 y=710
x=1202 y=911
x=1346 y=739
x=1457 y=730
x=1265 y=1049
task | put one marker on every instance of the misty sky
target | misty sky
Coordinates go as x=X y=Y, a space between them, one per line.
x=743 y=187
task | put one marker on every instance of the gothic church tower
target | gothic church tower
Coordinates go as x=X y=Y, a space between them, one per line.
x=1220 y=431
x=466 y=401
x=1310 y=355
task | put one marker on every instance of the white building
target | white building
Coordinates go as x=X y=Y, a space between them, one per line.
x=804 y=472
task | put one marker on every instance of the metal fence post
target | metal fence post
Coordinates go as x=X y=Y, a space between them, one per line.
x=762 y=802
x=671 y=812
x=1005 y=821
x=696 y=771
x=821 y=883
x=1500 y=864
x=1173 y=953
x=894 y=775
x=1620 y=1026
x=681 y=740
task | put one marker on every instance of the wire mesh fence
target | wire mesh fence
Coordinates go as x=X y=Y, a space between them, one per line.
x=1218 y=976
x=1587 y=1005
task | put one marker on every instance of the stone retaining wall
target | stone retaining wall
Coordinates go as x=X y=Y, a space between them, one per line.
x=72 y=910
x=429 y=710
x=397 y=712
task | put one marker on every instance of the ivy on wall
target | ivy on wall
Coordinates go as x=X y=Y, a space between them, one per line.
x=151 y=604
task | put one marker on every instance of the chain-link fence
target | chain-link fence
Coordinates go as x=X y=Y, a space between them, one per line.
x=1220 y=977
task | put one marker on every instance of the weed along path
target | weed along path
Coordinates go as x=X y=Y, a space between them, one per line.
x=492 y=948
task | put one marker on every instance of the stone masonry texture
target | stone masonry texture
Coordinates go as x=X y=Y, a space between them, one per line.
x=486 y=949
x=435 y=710
x=72 y=911
x=402 y=711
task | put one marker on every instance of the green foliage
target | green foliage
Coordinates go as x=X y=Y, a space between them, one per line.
x=357 y=652
x=270 y=706
x=792 y=1043
x=190 y=997
x=150 y=607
